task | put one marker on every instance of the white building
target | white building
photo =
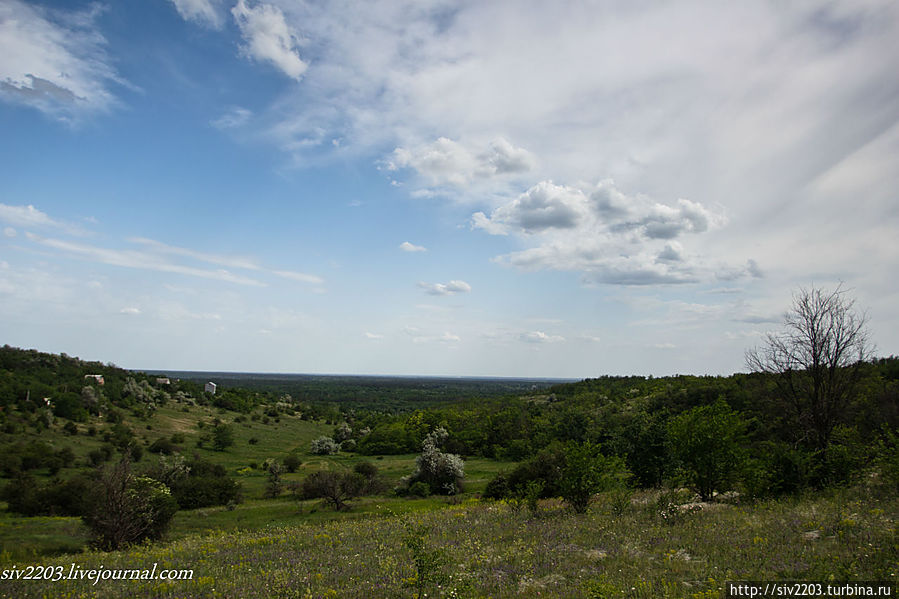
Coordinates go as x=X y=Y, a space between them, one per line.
x=209 y=388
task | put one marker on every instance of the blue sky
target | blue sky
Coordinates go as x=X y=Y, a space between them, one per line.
x=442 y=188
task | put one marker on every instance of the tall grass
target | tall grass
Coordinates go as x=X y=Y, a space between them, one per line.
x=489 y=550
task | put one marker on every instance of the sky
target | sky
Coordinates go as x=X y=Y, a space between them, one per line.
x=422 y=187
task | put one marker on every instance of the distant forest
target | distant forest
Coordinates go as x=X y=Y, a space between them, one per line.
x=655 y=425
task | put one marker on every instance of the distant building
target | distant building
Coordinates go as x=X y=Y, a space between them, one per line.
x=209 y=388
x=96 y=377
x=163 y=381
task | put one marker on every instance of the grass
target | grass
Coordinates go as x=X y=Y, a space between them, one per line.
x=488 y=550
x=24 y=538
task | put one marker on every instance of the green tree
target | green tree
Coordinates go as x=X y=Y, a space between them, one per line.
x=127 y=509
x=336 y=488
x=708 y=442
x=222 y=437
x=587 y=471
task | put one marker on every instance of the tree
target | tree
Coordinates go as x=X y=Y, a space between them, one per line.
x=442 y=472
x=587 y=472
x=324 y=446
x=334 y=487
x=127 y=509
x=708 y=442
x=275 y=484
x=292 y=462
x=222 y=437
x=816 y=361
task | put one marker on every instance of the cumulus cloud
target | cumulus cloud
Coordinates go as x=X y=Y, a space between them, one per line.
x=611 y=237
x=204 y=12
x=268 y=37
x=451 y=288
x=446 y=162
x=410 y=247
x=54 y=61
x=544 y=206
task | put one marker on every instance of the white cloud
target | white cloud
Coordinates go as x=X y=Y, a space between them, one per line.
x=9 y=232
x=448 y=163
x=451 y=288
x=204 y=12
x=138 y=260
x=26 y=216
x=299 y=276
x=373 y=336
x=54 y=61
x=235 y=117
x=32 y=218
x=130 y=311
x=611 y=237
x=410 y=247
x=540 y=337
x=268 y=37
x=238 y=262
x=445 y=338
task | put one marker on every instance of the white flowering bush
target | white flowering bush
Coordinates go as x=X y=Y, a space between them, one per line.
x=324 y=446
x=442 y=472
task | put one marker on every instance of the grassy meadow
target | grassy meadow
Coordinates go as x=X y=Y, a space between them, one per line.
x=483 y=549
x=31 y=538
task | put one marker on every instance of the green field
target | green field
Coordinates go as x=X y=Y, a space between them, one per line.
x=32 y=538
x=488 y=550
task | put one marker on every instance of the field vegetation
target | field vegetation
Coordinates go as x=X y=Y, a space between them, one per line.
x=608 y=487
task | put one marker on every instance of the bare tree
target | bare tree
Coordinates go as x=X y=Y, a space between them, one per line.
x=817 y=359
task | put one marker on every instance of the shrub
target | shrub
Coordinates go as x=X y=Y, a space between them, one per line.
x=546 y=468
x=442 y=472
x=497 y=488
x=419 y=489
x=324 y=446
x=126 y=509
x=292 y=462
x=222 y=437
x=336 y=488
x=163 y=446
x=275 y=485
x=587 y=472
x=707 y=441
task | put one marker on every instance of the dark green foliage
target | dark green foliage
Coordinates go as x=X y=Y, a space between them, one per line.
x=222 y=437
x=336 y=488
x=546 y=468
x=292 y=462
x=419 y=489
x=17 y=458
x=887 y=457
x=708 y=442
x=587 y=471
x=205 y=485
x=274 y=486
x=126 y=509
x=55 y=498
x=164 y=446
x=497 y=488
